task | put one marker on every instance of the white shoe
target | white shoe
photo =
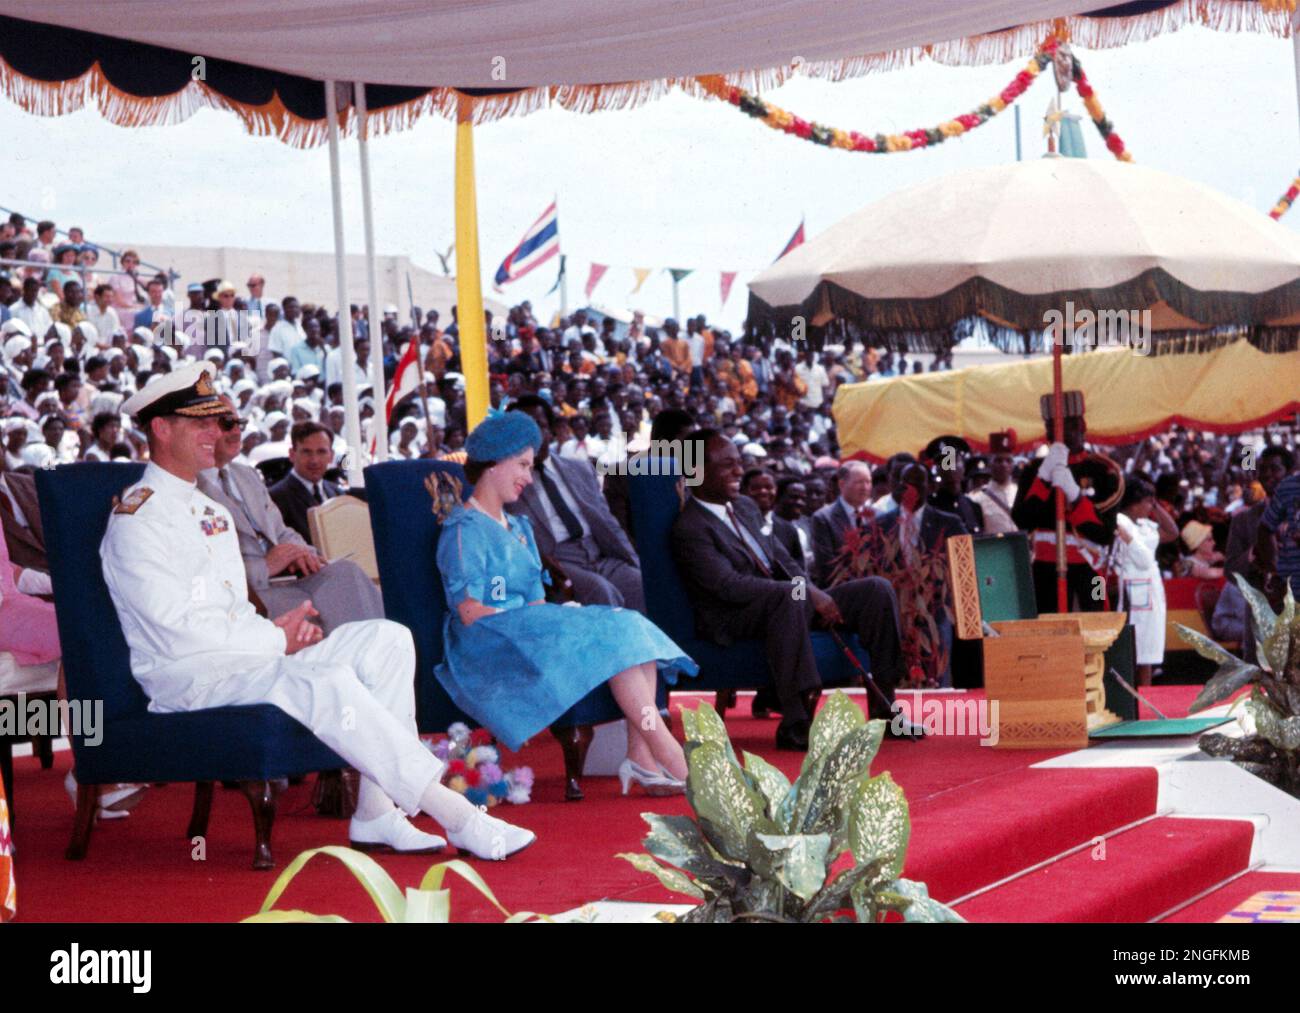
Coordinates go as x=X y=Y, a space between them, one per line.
x=114 y=803
x=486 y=836
x=392 y=832
x=651 y=783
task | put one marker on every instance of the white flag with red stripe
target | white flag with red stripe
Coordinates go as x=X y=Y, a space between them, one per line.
x=406 y=378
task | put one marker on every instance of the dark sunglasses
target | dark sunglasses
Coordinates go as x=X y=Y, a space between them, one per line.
x=228 y=422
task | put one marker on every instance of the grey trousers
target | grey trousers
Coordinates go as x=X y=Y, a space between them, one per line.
x=600 y=580
x=341 y=593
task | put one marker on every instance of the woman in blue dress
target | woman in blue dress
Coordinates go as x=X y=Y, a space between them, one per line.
x=516 y=663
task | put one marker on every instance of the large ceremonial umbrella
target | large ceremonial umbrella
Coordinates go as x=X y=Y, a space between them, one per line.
x=1034 y=248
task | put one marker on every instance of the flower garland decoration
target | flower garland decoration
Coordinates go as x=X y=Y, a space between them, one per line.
x=1284 y=202
x=910 y=140
x=474 y=768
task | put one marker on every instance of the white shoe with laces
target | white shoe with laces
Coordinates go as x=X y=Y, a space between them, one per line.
x=487 y=837
x=392 y=832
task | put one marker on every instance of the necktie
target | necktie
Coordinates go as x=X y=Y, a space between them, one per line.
x=315 y=494
x=231 y=495
x=571 y=523
x=751 y=545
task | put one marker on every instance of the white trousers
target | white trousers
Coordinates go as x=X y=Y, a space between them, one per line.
x=355 y=690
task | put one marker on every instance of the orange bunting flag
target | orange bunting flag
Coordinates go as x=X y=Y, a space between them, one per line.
x=642 y=273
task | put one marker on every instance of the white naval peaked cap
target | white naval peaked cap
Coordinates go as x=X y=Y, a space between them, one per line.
x=186 y=390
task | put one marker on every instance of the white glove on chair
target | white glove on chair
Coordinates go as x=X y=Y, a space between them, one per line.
x=1064 y=480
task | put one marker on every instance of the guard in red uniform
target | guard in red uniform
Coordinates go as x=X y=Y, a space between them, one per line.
x=1093 y=485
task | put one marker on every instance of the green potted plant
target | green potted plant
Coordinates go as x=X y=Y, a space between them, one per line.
x=1273 y=751
x=762 y=849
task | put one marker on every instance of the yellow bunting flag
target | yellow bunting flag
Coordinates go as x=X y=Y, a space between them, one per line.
x=642 y=273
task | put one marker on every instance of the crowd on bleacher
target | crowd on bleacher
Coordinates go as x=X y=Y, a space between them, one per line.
x=79 y=340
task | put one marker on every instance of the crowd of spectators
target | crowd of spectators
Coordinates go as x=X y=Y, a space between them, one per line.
x=78 y=341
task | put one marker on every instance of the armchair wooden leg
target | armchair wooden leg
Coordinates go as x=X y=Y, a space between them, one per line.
x=43 y=747
x=574 y=741
x=262 y=797
x=723 y=699
x=201 y=811
x=87 y=806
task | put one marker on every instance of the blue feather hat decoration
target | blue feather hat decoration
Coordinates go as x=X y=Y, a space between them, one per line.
x=502 y=435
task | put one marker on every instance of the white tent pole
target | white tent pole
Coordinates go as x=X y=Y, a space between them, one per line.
x=1295 y=49
x=380 y=422
x=351 y=416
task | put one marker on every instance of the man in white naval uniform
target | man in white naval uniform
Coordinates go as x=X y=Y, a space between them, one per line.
x=172 y=563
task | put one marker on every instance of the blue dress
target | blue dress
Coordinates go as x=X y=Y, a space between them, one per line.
x=515 y=672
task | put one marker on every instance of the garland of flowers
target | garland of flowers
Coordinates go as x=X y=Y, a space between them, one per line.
x=1284 y=202
x=851 y=140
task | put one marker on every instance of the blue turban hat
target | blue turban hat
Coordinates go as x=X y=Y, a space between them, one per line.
x=502 y=435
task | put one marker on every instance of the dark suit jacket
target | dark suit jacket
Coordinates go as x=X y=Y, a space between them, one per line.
x=784 y=532
x=720 y=576
x=937 y=526
x=1242 y=533
x=829 y=525
x=293 y=499
x=26 y=545
x=581 y=480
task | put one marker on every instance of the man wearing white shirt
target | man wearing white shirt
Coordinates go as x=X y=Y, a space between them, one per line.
x=101 y=315
x=814 y=374
x=288 y=329
x=360 y=365
x=29 y=310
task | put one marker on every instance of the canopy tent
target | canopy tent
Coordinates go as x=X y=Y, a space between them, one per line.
x=1012 y=243
x=1128 y=396
x=135 y=59
x=152 y=62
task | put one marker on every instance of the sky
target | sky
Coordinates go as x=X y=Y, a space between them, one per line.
x=680 y=182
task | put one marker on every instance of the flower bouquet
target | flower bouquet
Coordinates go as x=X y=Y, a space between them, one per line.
x=474 y=768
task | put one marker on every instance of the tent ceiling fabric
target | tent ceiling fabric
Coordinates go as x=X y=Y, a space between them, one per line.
x=1129 y=397
x=429 y=43
x=1011 y=242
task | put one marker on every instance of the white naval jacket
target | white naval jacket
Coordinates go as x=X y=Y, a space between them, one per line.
x=172 y=564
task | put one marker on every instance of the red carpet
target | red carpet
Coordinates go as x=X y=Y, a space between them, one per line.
x=1146 y=871
x=978 y=814
x=1225 y=899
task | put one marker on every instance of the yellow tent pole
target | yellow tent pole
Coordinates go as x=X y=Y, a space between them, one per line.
x=469 y=290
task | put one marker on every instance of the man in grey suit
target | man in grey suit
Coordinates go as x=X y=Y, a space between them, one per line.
x=831 y=523
x=573 y=524
x=340 y=591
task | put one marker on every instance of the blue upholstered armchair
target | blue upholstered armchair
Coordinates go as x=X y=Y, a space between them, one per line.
x=406 y=550
x=259 y=746
x=654 y=506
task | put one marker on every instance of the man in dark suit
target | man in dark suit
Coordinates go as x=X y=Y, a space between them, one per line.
x=744 y=584
x=311 y=451
x=20 y=512
x=833 y=522
x=923 y=526
x=573 y=525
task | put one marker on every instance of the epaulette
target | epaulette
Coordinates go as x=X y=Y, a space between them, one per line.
x=134 y=500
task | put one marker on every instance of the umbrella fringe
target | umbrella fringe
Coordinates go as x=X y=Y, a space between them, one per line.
x=927 y=325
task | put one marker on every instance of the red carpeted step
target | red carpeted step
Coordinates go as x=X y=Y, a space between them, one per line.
x=982 y=832
x=1229 y=897
x=1145 y=872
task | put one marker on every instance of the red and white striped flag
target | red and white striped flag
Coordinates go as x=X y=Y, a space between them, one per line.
x=405 y=379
